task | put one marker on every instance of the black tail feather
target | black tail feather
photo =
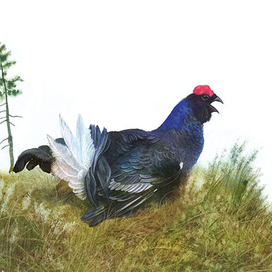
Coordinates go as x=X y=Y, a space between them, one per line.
x=99 y=173
x=30 y=158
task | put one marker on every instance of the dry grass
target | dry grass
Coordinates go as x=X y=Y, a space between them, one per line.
x=220 y=222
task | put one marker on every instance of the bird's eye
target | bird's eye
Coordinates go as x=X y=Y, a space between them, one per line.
x=205 y=97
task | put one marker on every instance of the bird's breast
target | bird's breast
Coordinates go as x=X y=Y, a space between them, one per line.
x=187 y=144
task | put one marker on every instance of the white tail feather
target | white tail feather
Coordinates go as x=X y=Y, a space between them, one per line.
x=73 y=160
x=86 y=143
x=71 y=142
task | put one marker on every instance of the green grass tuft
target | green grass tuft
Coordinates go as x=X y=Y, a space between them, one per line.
x=219 y=222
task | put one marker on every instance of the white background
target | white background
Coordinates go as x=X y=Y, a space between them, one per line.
x=126 y=64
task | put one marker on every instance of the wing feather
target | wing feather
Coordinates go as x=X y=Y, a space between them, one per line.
x=141 y=170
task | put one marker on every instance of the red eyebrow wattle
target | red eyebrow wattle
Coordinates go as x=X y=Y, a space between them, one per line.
x=203 y=89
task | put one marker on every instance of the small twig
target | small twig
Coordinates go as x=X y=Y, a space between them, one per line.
x=3 y=104
x=4 y=140
x=4 y=146
x=3 y=111
x=15 y=116
x=3 y=121
x=12 y=124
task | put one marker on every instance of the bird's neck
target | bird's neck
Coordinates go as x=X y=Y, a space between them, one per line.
x=185 y=133
x=180 y=118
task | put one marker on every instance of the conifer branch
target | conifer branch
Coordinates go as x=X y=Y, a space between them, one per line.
x=15 y=116
x=3 y=121
x=4 y=140
x=5 y=146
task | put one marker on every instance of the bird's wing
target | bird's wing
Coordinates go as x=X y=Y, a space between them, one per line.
x=128 y=172
x=144 y=168
x=132 y=179
x=137 y=175
x=124 y=141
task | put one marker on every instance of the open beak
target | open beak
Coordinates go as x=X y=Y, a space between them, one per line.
x=213 y=99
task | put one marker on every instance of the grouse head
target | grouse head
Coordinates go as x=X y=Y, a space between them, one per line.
x=200 y=102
